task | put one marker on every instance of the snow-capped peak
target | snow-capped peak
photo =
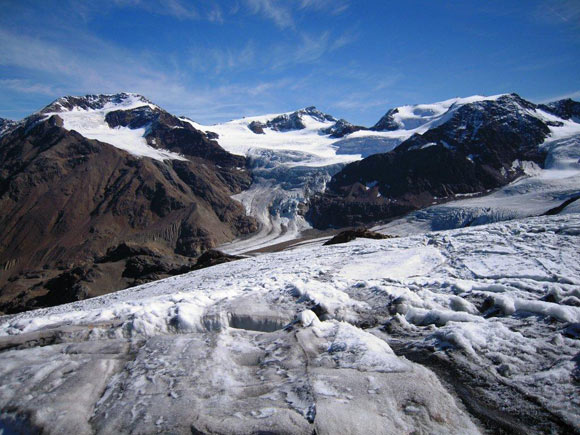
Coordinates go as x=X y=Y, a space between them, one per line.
x=411 y=117
x=316 y=114
x=309 y=118
x=87 y=115
x=101 y=102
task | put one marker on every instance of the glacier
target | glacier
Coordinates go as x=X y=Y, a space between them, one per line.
x=459 y=331
x=537 y=192
x=290 y=166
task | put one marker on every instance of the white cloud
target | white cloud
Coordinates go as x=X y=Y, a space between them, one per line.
x=282 y=12
x=573 y=95
x=60 y=70
x=74 y=61
x=215 y=15
x=309 y=48
x=179 y=9
x=224 y=60
x=334 y=7
x=561 y=11
x=276 y=11
x=27 y=86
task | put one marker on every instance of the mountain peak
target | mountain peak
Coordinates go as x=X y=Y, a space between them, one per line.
x=565 y=109
x=313 y=112
x=411 y=117
x=122 y=100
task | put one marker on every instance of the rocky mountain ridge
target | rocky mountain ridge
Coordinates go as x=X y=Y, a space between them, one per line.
x=5 y=125
x=66 y=199
x=474 y=148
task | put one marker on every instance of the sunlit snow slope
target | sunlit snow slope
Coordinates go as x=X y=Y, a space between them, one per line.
x=311 y=340
x=90 y=122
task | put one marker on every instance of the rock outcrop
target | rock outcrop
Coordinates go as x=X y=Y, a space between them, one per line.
x=350 y=235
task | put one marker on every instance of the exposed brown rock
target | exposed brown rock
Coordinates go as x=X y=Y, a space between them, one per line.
x=66 y=200
x=257 y=127
x=350 y=235
x=213 y=257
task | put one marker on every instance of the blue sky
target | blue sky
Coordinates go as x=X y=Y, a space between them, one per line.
x=218 y=60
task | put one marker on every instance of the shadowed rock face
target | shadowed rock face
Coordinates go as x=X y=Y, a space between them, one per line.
x=293 y=121
x=257 y=127
x=5 y=125
x=342 y=128
x=473 y=151
x=565 y=109
x=169 y=132
x=65 y=200
x=387 y=122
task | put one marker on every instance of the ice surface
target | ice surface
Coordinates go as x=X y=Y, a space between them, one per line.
x=309 y=339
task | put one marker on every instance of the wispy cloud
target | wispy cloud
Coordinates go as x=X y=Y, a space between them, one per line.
x=104 y=68
x=274 y=10
x=561 y=11
x=309 y=48
x=573 y=95
x=215 y=15
x=282 y=13
x=334 y=7
x=176 y=8
x=223 y=60
x=28 y=87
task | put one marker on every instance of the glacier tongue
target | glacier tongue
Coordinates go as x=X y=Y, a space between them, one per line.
x=312 y=338
x=282 y=182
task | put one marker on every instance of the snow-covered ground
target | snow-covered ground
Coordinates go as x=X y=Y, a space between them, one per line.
x=307 y=339
x=236 y=137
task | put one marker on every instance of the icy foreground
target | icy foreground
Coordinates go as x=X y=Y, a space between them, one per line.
x=311 y=339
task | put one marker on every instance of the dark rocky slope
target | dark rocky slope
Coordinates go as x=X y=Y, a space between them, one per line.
x=565 y=109
x=472 y=151
x=350 y=235
x=6 y=125
x=65 y=200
